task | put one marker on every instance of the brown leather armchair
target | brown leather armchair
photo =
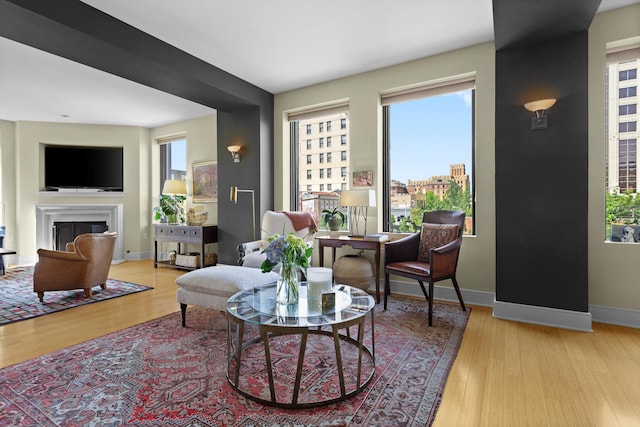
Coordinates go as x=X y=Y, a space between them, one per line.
x=403 y=257
x=83 y=265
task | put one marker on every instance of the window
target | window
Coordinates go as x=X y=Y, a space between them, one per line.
x=627 y=92
x=628 y=74
x=416 y=124
x=343 y=171
x=309 y=146
x=343 y=139
x=624 y=110
x=173 y=159
x=308 y=129
x=343 y=123
x=303 y=183
x=622 y=204
x=627 y=127
x=343 y=156
x=328 y=187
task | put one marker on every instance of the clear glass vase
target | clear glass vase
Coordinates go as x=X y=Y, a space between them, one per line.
x=288 y=286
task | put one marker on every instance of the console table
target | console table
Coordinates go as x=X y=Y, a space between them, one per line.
x=177 y=233
x=355 y=243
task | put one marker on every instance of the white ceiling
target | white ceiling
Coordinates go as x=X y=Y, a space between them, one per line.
x=277 y=45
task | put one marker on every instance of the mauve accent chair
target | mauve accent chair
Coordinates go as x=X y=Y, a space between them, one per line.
x=83 y=265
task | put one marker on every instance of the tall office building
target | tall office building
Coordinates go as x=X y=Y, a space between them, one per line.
x=622 y=126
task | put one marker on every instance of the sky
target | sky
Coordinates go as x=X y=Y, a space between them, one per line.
x=429 y=134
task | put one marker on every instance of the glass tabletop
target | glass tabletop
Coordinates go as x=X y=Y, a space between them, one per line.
x=258 y=306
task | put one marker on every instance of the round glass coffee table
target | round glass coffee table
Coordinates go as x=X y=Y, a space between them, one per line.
x=300 y=355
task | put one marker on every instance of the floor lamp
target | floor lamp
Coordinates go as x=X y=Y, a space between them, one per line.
x=234 y=198
x=358 y=202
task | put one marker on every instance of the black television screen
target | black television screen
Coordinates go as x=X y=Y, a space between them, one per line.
x=83 y=167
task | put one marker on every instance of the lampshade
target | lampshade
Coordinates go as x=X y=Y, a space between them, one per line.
x=173 y=187
x=542 y=104
x=358 y=198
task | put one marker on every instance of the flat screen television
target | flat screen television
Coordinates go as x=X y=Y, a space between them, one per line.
x=75 y=167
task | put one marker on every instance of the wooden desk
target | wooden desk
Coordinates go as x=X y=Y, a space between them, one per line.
x=355 y=243
x=2 y=253
x=196 y=234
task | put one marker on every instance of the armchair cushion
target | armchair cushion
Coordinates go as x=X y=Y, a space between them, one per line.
x=433 y=236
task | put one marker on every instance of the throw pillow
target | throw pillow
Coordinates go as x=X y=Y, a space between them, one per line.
x=433 y=236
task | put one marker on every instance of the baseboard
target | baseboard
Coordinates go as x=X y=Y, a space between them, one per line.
x=137 y=256
x=558 y=318
x=615 y=316
x=444 y=293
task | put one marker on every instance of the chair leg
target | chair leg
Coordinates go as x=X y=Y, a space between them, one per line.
x=103 y=286
x=431 y=303
x=455 y=285
x=41 y=296
x=87 y=293
x=387 y=291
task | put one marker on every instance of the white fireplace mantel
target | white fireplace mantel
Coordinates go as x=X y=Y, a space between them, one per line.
x=47 y=214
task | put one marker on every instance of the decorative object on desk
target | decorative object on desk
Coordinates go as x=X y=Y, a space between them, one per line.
x=196 y=216
x=334 y=219
x=205 y=182
x=363 y=179
x=379 y=237
x=171 y=209
x=359 y=202
x=233 y=196
x=290 y=252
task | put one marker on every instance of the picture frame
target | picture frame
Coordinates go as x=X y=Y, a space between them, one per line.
x=205 y=182
x=362 y=179
x=625 y=233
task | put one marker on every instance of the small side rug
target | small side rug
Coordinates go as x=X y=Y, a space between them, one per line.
x=161 y=374
x=19 y=302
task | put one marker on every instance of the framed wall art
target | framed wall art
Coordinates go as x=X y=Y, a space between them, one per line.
x=363 y=179
x=625 y=233
x=205 y=182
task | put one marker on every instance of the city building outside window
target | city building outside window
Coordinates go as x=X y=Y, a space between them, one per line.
x=173 y=159
x=429 y=137
x=622 y=207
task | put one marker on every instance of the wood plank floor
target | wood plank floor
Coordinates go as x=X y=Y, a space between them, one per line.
x=506 y=373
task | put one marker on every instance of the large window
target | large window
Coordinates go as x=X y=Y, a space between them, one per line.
x=621 y=139
x=173 y=158
x=429 y=145
x=315 y=189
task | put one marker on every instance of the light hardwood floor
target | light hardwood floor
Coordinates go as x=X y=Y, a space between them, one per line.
x=506 y=373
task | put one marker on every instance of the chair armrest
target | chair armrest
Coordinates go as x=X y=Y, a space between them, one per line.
x=60 y=255
x=246 y=248
x=405 y=249
x=444 y=260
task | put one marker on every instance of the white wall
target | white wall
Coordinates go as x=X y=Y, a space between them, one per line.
x=477 y=263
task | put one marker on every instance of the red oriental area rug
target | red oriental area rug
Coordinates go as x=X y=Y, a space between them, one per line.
x=160 y=374
x=19 y=302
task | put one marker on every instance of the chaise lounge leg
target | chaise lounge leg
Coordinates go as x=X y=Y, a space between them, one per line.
x=87 y=293
x=41 y=296
x=183 y=310
x=103 y=286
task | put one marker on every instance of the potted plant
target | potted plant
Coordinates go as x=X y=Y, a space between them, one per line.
x=334 y=219
x=171 y=209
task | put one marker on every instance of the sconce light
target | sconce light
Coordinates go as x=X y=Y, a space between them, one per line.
x=539 y=107
x=235 y=152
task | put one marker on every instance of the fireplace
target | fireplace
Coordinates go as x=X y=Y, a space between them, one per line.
x=48 y=215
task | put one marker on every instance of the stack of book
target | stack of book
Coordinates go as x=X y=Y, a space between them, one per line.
x=377 y=236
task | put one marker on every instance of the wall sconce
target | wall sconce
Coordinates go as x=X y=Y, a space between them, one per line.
x=233 y=196
x=539 y=107
x=235 y=152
